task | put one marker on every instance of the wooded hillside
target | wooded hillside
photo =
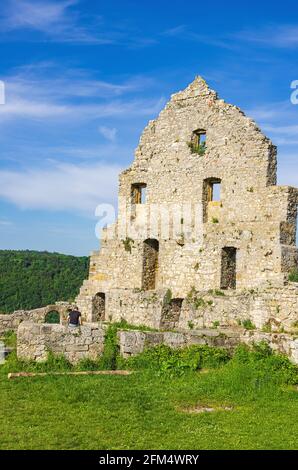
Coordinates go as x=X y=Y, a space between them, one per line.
x=31 y=279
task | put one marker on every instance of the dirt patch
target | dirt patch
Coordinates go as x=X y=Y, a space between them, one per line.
x=206 y=409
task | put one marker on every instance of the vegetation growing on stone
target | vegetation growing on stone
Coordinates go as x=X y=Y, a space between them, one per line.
x=168 y=297
x=199 y=149
x=293 y=276
x=248 y=324
x=128 y=242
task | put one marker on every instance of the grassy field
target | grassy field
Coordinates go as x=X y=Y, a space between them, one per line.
x=151 y=410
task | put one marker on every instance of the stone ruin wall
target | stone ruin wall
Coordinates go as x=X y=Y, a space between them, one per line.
x=35 y=341
x=273 y=308
x=134 y=342
x=11 y=321
x=254 y=216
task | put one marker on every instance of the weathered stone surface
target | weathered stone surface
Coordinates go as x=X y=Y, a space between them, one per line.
x=134 y=342
x=221 y=262
x=36 y=340
x=244 y=242
x=38 y=315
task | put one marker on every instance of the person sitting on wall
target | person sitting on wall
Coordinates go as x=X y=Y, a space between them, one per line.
x=74 y=318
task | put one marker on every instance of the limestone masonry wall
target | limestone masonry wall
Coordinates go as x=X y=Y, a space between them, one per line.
x=242 y=239
x=134 y=342
x=13 y=320
x=36 y=340
x=204 y=237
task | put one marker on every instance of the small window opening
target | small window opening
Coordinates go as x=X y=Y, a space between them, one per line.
x=150 y=263
x=211 y=193
x=212 y=189
x=98 y=307
x=198 y=142
x=138 y=193
x=228 y=267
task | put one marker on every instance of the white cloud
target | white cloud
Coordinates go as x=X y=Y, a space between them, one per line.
x=55 y=19
x=184 y=33
x=22 y=108
x=108 y=133
x=37 y=15
x=62 y=21
x=40 y=92
x=291 y=130
x=274 y=35
x=5 y=223
x=278 y=120
x=175 y=31
x=75 y=188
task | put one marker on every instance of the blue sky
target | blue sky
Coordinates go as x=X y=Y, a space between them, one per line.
x=83 y=77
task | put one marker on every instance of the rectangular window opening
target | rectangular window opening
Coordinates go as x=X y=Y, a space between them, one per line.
x=138 y=193
x=198 y=142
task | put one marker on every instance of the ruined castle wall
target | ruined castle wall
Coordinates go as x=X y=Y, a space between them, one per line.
x=137 y=307
x=10 y=322
x=134 y=342
x=252 y=215
x=273 y=308
x=36 y=340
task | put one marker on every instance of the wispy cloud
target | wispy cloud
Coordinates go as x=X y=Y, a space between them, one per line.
x=175 y=31
x=57 y=20
x=65 y=21
x=41 y=93
x=74 y=188
x=108 y=133
x=38 y=15
x=183 y=32
x=284 y=36
x=278 y=120
x=22 y=108
x=5 y=223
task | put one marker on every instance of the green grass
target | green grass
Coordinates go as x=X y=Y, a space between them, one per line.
x=293 y=276
x=144 y=410
x=9 y=338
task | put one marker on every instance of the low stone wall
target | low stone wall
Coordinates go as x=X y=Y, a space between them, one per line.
x=35 y=340
x=11 y=321
x=87 y=341
x=134 y=342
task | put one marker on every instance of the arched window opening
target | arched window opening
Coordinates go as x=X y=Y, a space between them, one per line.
x=52 y=317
